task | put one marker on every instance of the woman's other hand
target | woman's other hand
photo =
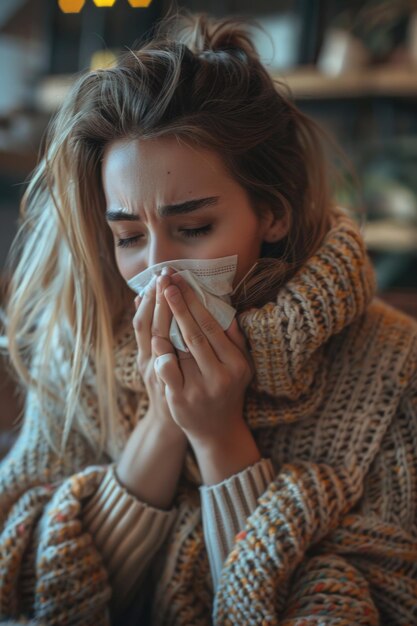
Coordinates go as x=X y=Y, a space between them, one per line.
x=205 y=388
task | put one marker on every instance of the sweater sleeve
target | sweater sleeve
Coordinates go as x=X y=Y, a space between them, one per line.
x=330 y=546
x=364 y=572
x=226 y=507
x=301 y=505
x=327 y=590
x=49 y=568
x=58 y=561
x=379 y=537
x=127 y=533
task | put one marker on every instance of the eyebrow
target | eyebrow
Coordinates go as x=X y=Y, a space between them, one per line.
x=168 y=210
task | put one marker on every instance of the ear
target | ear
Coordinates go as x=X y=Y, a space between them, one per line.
x=274 y=228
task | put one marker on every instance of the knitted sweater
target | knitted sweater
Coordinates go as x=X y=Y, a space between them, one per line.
x=333 y=537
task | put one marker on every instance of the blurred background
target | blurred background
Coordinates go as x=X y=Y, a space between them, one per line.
x=351 y=65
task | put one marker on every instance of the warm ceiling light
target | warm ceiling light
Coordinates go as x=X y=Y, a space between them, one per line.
x=104 y=3
x=71 y=6
x=136 y=4
x=102 y=59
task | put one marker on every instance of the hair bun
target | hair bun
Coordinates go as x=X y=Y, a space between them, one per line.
x=204 y=34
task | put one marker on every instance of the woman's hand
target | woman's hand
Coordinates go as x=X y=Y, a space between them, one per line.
x=151 y=324
x=204 y=388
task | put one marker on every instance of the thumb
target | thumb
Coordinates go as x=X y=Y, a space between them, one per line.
x=167 y=369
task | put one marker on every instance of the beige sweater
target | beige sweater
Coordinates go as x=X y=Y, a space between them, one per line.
x=331 y=540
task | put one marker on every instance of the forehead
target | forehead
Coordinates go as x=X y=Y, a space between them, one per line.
x=160 y=170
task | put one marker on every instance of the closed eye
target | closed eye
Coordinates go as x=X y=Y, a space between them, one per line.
x=186 y=232
x=130 y=241
x=196 y=232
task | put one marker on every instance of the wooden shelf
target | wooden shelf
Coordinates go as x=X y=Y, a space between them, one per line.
x=51 y=91
x=403 y=299
x=305 y=82
x=309 y=83
x=390 y=236
x=17 y=163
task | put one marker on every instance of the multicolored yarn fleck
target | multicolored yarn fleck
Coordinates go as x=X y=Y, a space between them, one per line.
x=333 y=539
x=261 y=562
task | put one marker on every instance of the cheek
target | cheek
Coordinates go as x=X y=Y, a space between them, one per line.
x=120 y=262
x=250 y=240
x=127 y=264
x=248 y=251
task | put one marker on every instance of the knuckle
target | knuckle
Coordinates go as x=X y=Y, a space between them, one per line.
x=241 y=369
x=160 y=324
x=141 y=367
x=137 y=324
x=195 y=339
x=160 y=345
x=195 y=397
x=156 y=329
x=209 y=326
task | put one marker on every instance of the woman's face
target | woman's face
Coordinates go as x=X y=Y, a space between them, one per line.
x=167 y=200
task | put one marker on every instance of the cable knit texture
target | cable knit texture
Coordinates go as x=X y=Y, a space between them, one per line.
x=333 y=538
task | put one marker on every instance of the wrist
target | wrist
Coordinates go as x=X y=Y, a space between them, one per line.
x=150 y=464
x=233 y=430
x=165 y=426
x=221 y=457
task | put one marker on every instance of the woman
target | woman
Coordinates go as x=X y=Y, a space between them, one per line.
x=264 y=474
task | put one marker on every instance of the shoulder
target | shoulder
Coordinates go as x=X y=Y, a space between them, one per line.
x=397 y=334
x=392 y=318
x=386 y=336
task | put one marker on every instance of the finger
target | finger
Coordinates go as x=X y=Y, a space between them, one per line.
x=198 y=336
x=167 y=369
x=187 y=365
x=223 y=348
x=184 y=356
x=142 y=322
x=162 y=318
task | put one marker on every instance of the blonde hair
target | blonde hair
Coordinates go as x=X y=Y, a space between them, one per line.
x=199 y=79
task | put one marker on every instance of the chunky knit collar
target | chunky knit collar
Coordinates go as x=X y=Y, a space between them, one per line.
x=287 y=337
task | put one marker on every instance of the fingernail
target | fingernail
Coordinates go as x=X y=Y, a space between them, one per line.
x=165 y=271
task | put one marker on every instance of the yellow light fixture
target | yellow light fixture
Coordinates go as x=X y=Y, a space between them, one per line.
x=102 y=59
x=104 y=3
x=139 y=4
x=71 y=6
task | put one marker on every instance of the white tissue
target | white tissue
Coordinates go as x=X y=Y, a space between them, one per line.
x=211 y=279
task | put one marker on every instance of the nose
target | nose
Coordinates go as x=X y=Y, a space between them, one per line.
x=160 y=250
